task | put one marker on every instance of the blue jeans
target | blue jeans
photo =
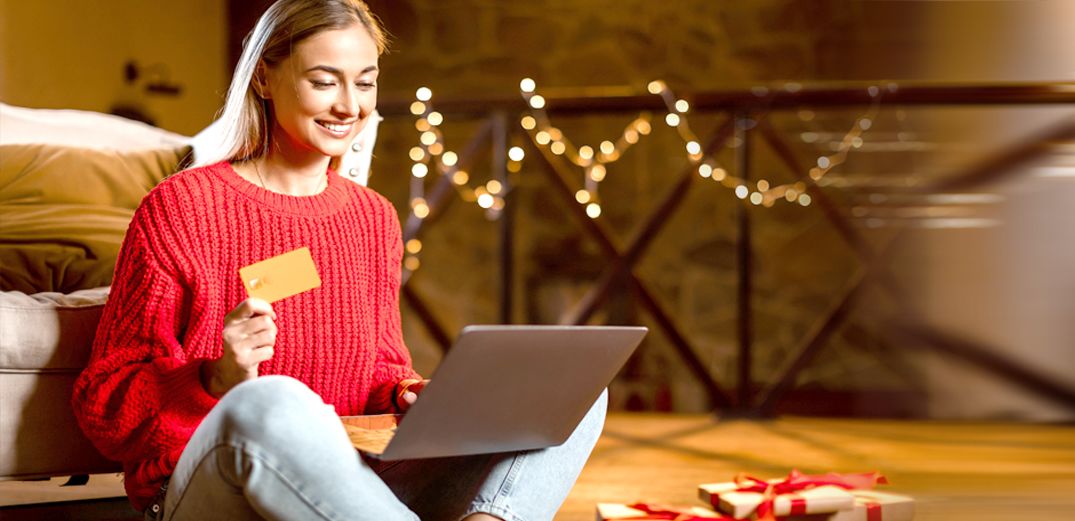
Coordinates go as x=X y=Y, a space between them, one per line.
x=271 y=449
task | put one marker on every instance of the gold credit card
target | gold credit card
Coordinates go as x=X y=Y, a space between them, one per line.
x=281 y=276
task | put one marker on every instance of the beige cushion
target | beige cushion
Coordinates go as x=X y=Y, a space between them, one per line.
x=81 y=128
x=45 y=341
x=64 y=211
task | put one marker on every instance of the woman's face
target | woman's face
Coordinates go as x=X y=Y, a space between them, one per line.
x=323 y=93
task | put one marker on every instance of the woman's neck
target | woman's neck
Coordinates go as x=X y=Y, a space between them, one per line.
x=286 y=174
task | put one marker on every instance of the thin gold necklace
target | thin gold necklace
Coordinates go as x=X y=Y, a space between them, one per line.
x=257 y=171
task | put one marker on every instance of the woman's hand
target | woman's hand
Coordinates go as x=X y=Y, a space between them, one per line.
x=407 y=393
x=249 y=336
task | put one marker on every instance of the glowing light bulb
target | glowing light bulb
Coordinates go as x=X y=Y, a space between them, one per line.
x=528 y=122
x=742 y=191
x=630 y=136
x=422 y=125
x=420 y=208
x=582 y=196
x=705 y=170
x=655 y=87
x=542 y=137
x=763 y=185
x=414 y=246
x=682 y=106
x=493 y=186
x=419 y=170
x=719 y=174
x=423 y=94
x=693 y=148
x=597 y=173
x=418 y=108
x=804 y=199
x=411 y=263
x=643 y=127
x=460 y=177
x=485 y=200
x=516 y=153
x=527 y=85
x=823 y=162
x=428 y=138
x=449 y=158
x=558 y=147
x=537 y=101
x=436 y=149
x=586 y=152
x=417 y=154
x=593 y=210
x=435 y=118
x=607 y=147
x=756 y=198
x=672 y=119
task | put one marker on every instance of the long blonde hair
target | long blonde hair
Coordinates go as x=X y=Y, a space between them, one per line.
x=243 y=123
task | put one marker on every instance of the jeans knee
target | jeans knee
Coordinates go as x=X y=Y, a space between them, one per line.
x=594 y=421
x=269 y=407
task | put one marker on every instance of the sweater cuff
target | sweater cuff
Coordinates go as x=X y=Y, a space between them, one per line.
x=381 y=397
x=184 y=392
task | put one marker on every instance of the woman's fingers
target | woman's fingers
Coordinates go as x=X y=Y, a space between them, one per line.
x=248 y=308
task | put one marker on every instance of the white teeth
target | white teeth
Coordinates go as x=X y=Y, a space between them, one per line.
x=334 y=127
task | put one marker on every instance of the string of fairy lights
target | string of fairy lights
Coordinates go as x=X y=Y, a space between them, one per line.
x=432 y=155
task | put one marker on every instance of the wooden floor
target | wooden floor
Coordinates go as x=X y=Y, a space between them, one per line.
x=955 y=471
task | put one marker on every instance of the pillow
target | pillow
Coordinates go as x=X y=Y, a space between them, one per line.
x=81 y=128
x=64 y=211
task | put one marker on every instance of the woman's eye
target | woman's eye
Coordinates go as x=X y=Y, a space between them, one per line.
x=321 y=84
x=366 y=85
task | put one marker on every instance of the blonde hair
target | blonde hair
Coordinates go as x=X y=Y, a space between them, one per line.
x=244 y=121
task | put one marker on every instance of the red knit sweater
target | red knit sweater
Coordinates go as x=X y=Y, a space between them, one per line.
x=140 y=398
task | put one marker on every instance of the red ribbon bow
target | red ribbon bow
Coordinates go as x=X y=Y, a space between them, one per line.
x=797 y=481
x=671 y=513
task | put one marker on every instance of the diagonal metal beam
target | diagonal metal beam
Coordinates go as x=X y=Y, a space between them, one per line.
x=438 y=199
x=425 y=315
x=812 y=343
x=1004 y=164
x=557 y=172
x=646 y=233
x=829 y=208
x=441 y=196
x=988 y=359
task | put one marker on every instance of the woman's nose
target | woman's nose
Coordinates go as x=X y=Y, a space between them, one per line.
x=347 y=104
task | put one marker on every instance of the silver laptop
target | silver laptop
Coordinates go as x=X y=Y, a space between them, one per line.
x=501 y=389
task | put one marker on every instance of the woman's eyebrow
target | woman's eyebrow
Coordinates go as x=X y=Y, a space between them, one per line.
x=333 y=70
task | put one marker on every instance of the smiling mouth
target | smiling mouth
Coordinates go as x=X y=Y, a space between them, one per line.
x=337 y=128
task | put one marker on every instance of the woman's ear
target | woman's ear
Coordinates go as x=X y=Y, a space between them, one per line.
x=260 y=81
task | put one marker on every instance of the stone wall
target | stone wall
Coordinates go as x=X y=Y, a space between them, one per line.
x=482 y=48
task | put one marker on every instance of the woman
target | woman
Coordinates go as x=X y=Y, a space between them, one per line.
x=225 y=407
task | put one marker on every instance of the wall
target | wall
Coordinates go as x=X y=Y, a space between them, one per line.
x=475 y=48
x=71 y=54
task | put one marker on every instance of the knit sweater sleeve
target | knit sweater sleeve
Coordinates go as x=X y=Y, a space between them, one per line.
x=393 y=358
x=140 y=397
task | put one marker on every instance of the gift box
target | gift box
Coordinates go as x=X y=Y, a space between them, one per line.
x=710 y=493
x=645 y=512
x=871 y=505
x=825 y=499
x=795 y=495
